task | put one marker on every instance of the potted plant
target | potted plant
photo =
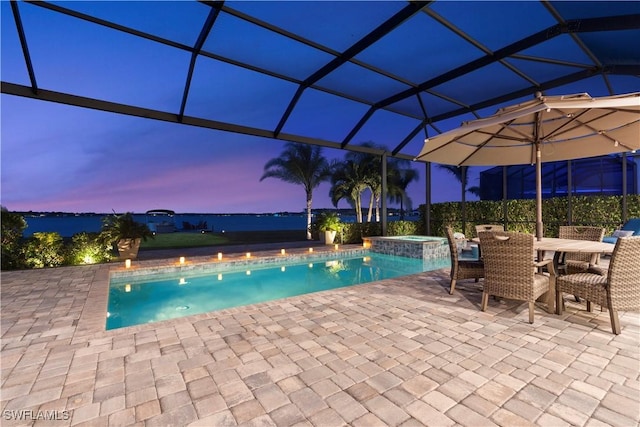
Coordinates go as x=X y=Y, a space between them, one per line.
x=126 y=233
x=328 y=224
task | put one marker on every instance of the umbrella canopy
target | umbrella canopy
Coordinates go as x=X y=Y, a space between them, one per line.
x=548 y=128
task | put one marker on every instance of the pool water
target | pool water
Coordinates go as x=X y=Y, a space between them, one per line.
x=137 y=301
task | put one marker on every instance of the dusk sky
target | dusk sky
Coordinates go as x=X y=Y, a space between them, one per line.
x=63 y=158
x=81 y=160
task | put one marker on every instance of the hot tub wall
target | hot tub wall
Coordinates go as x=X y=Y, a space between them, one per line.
x=432 y=249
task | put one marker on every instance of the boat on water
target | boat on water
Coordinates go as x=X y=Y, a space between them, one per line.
x=161 y=221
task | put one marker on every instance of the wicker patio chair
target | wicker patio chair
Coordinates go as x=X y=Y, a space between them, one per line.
x=489 y=227
x=617 y=288
x=577 y=262
x=462 y=269
x=510 y=270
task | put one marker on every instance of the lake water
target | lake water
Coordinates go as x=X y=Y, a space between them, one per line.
x=69 y=224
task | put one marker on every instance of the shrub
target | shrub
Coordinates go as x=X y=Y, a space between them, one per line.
x=88 y=248
x=402 y=228
x=43 y=250
x=117 y=227
x=13 y=225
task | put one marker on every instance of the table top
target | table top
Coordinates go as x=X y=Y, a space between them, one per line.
x=568 y=245
x=571 y=245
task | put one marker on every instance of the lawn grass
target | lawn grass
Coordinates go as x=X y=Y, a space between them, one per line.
x=183 y=240
x=194 y=239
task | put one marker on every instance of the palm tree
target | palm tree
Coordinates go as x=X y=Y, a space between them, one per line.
x=300 y=164
x=400 y=176
x=370 y=166
x=364 y=173
x=348 y=182
x=460 y=172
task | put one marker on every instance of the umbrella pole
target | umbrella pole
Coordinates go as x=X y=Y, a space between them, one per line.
x=539 y=227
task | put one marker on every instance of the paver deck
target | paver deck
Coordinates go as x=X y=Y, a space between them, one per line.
x=399 y=352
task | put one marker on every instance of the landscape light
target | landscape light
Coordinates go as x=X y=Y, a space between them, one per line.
x=219 y=256
x=127 y=288
x=283 y=252
x=336 y=247
x=310 y=249
x=181 y=260
x=127 y=263
x=248 y=254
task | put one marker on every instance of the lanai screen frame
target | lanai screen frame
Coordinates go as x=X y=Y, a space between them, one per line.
x=601 y=26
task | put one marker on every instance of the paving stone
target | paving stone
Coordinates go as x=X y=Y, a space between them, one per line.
x=85 y=413
x=614 y=418
x=307 y=401
x=466 y=416
x=112 y=405
x=428 y=415
x=384 y=381
x=504 y=417
x=140 y=396
x=174 y=400
x=235 y=392
x=203 y=387
x=126 y=417
x=287 y=415
x=210 y=405
x=368 y=420
x=624 y=406
x=400 y=345
x=181 y=416
x=439 y=401
x=479 y=405
x=361 y=392
x=147 y=410
x=247 y=411
x=325 y=388
x=523 y=409
x=386 y=410
x=346 y=406
x=271 y=397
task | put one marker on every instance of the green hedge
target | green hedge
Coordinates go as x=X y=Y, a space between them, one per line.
x=604 y=211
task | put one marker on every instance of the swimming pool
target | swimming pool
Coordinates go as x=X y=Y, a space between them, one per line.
x=140 y=299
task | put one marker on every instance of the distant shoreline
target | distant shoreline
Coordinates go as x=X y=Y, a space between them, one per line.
x=346 y=212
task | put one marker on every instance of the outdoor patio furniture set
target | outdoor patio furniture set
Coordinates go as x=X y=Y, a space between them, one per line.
x=510 y=268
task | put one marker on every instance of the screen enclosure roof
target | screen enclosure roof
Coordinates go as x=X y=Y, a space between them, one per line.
x=330 y=73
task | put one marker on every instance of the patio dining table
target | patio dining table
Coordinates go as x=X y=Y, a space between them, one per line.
x=560 y=247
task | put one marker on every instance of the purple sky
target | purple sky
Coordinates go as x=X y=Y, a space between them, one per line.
x=61 y=158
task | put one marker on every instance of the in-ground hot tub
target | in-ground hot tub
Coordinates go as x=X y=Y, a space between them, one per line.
x=421 y=247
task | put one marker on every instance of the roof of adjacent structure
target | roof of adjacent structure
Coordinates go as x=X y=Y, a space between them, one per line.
x=318 y=72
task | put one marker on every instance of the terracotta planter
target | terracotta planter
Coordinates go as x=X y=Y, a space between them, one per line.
x=128 y=248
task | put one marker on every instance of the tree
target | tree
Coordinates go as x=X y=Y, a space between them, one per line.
x=400 y=175
x=348 y=182
x=13 y=224
x=460 y=172
x=300 y=164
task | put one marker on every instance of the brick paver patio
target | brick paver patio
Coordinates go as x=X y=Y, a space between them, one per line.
x=399 y=352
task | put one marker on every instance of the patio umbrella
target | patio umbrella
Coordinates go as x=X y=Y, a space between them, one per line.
x=546 y=129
